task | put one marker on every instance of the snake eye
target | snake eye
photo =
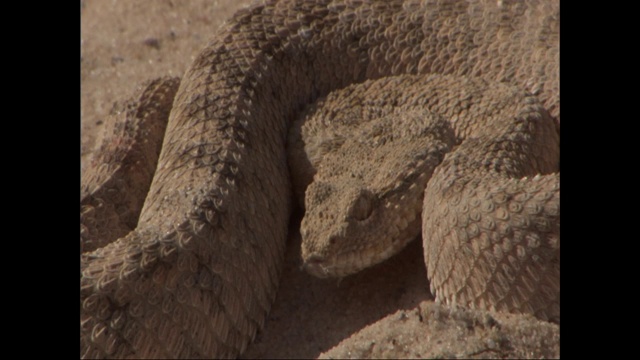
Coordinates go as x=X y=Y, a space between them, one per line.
x=362 y=207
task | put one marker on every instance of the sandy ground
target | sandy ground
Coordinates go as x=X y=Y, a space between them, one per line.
x=386 y=311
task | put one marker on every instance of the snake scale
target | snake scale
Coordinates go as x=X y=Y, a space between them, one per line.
x=198 y=274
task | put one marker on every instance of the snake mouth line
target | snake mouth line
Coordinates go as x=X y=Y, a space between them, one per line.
x=317 y=267
x=351 y=262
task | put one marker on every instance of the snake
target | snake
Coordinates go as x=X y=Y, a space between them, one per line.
x=196 y=274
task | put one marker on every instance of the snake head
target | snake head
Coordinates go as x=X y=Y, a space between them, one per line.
x=364 y=204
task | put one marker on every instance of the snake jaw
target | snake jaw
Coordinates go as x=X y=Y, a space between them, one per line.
x=346 y=248
x=316 y=266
